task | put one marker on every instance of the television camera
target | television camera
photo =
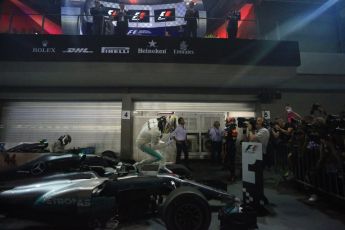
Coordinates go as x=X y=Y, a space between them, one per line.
x=244 y=122
x=336 y=124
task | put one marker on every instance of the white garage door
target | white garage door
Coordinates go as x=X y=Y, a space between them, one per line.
x=90 y=124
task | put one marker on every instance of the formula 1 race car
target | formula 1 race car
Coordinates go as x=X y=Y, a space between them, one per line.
x=99 y=191
x=86 y=200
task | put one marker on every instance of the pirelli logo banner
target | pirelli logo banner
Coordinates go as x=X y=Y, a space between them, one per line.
x=148 y=49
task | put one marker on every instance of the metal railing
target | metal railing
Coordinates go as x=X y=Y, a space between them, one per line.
x=313 y=165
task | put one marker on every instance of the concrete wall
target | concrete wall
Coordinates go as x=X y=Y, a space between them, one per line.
x=314 y=26
x=322 y=64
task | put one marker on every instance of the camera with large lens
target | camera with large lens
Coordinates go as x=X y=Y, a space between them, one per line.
x=229 y=127
x=336 y=124
x=244 y=122
x=313 y=130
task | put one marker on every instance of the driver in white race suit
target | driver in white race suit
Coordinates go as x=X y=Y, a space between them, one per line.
x=149 y=141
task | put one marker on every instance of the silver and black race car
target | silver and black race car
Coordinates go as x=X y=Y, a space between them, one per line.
x=86 y=200
x=98 y=191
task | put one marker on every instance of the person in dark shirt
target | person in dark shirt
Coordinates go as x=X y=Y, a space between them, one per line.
x=121 y=17
x=232 y=26
x=191 y=18
x=98 y=11
x=230 y=135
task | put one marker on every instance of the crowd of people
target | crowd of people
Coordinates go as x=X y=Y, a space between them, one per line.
x=310 y=149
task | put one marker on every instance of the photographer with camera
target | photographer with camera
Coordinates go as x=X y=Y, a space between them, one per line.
x=318 y=111
x=230 y=135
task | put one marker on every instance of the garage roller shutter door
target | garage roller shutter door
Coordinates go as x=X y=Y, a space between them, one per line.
x=193 y=107
x=91 y=124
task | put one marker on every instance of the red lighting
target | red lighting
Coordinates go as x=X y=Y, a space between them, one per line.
x=247 y=18
x=35 y=17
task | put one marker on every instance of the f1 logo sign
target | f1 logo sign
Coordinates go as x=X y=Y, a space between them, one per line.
x=164 y=15
x=139 y=16
x=251 y=152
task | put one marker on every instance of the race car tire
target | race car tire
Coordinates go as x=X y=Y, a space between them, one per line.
x=186 y=208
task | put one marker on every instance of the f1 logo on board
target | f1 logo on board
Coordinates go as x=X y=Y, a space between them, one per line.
x=139 y=16
x=164 y=15
x=77 y=51
x=251 y=149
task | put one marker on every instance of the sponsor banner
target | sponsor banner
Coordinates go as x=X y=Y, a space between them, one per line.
x=147 y=49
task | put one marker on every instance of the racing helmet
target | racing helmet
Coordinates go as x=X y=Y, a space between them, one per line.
x=162 y=121
x=65 y=139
